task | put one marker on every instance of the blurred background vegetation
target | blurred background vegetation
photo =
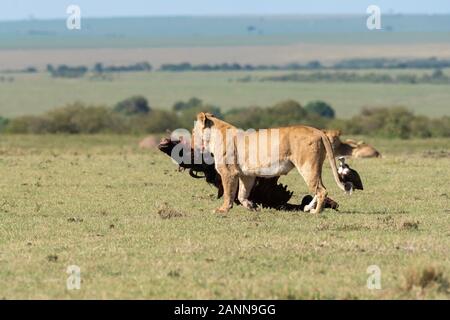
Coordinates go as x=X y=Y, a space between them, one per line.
x=135 y=116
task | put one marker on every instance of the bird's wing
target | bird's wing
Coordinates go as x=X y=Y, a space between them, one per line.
x=354 y=177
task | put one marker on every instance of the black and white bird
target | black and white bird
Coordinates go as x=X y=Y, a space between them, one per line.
x=349 y=177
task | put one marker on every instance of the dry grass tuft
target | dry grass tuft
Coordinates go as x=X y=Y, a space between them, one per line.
x=427 y=278
x=166 y=212
x=409 y=225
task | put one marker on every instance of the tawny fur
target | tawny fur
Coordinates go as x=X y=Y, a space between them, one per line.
x=302 y=147
x=350 y=148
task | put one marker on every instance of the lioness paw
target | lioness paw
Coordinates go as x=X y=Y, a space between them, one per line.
x=221 y=210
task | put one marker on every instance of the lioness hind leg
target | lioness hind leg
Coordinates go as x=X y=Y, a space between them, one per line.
x=245 y=187
x=230 y=184
x=311 y=205
x=321 y=195
x=312 y=173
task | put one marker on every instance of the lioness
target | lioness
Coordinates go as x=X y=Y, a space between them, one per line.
x=350 y=148
x=242 y=156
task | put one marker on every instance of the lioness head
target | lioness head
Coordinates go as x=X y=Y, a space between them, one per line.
x=201 y=134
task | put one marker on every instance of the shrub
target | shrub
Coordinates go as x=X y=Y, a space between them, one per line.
x=78 y=118
x=245 y=118
x=72 y=119
x=420 y=127
x=187 y=111
x=28 y=124
x=91 y=120
x=396 y=122
x=191 y=103
x=3 y=123
x=282 y=114
x=320 y=108
x=285 y=113
x=156 y=121
x=132 y=106
x=440 y=127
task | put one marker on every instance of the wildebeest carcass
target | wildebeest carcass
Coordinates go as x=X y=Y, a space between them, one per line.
x=266 y=192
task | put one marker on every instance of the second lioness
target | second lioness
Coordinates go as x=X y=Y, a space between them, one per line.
x=240 y=157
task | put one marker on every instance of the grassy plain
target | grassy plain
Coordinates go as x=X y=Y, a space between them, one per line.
x=137 y=228
x=36 y=93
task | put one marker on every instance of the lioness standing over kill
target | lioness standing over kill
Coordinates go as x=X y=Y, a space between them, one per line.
x=241 y=156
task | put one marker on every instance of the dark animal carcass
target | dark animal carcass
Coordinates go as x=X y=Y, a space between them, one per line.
x=266 y=192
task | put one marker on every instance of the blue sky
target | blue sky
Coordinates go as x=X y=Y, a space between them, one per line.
x=48 y=9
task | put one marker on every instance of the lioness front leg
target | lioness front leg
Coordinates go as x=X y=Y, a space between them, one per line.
x=230 y=184
x=245 y=187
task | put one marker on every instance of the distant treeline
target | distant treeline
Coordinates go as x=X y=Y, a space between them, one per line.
x=437 y=77
x=6 y=79
x=65 y=71
x=141 y=66
x=384 y=63
x=135 y=116
x=185 y=66
x=369 y=63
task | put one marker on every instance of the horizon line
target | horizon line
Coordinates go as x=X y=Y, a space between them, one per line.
x=225 y=15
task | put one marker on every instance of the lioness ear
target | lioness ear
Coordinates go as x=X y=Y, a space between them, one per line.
x=338 y=133
x=202 y=118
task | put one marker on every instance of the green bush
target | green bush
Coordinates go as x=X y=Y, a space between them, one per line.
x=77 y=118
x=395 y=122
x=156 y=121
x=191 y=103
x=3 y=123
x=74 y=118
x=132 y=106
x=187 y=111
x=28 y=124
x=320 y=108
x=440 y=127
x=245 y=118
x=284 y=113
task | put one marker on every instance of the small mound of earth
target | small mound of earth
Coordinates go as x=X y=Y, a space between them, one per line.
x=436 y=154
x=166 y=212
x=149 y=142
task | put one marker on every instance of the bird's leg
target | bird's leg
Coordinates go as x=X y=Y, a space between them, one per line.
x=349 y=188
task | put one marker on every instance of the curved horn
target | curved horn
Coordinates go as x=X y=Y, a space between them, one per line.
x=194 y=174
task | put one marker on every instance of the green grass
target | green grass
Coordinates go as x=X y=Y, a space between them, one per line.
x=94 y=202
x=36 y=93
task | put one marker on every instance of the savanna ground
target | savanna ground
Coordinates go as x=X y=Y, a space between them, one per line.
x=137 y=228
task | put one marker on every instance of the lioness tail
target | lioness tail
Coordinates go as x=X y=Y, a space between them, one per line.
x=330 y=156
